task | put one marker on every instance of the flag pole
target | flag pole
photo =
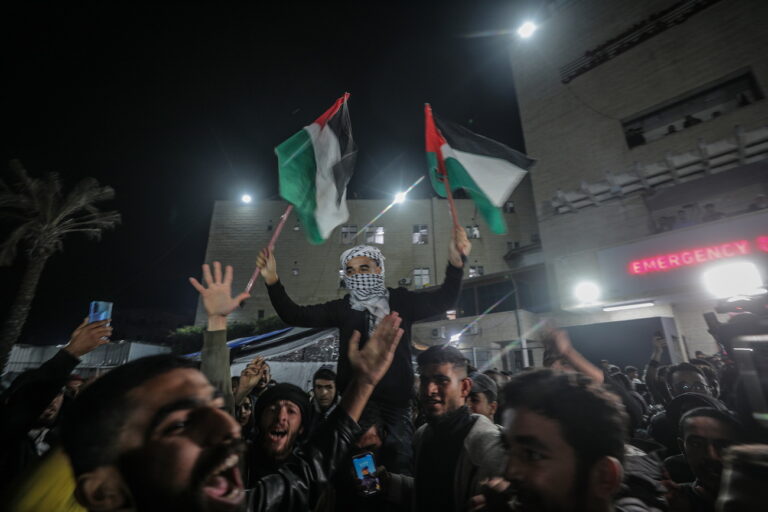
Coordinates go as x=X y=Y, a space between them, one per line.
x=270 y=246
x=451 y=203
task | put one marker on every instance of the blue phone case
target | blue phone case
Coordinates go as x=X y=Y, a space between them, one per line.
x=99 y=310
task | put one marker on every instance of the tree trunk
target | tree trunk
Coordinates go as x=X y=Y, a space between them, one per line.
x=17 y=315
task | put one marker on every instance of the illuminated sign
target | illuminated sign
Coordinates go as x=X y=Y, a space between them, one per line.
x=697 y=256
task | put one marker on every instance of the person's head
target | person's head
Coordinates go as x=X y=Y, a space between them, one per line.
x=705 y=433
x=152 y=435
x=497 y=377
x=29 y=380
x=281 y=415
x=324 y=387
x=362 y=259
x=631 y=372
x=74 y=385
x=266 y=378
x=482 y=398
x=605 y=364
x=686 y=378
x=566 y=440
x=245 y=411
x=445 y=383
x=700 y=354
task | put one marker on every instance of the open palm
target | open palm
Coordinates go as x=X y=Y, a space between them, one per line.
x=217 y=297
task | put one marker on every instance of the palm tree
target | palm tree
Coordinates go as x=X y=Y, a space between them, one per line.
x=42 y=216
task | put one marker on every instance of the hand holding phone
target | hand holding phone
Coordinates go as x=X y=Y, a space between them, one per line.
x=99 y=310
x=366 y=474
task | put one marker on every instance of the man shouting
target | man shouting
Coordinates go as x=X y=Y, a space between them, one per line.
x=368 y=301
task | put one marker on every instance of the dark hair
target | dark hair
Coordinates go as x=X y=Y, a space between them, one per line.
x=441 y=354
x=91 y=425
x=682 y=367
x=628 y=369
x=724 y=417
x=324 y=374
x=698 y=361
x=592 y=420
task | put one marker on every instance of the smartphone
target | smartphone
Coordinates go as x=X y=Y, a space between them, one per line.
x=365 y=472
x=99 y=310
x=751 y=355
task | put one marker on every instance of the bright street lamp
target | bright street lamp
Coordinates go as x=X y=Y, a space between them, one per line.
x=246 y=198
x=733 y=279
x=586 y=292
x=399 y=197
x=527 y=29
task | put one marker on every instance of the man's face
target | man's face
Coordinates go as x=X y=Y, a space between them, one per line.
x=178 y=449
x=244 y=411
x=632 y=374
x=689 y=382
x=361 y=265
x=74 y=386
x=280 y=425
x=266 y=376
x=541 y=465
x=443 y=388
x=49 y=415
x=325 y=392
x=704 y=441
x=479 y=404
x=370 y=441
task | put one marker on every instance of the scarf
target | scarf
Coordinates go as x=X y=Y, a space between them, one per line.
x=367 y=291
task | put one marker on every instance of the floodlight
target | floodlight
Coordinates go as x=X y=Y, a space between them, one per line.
x=733 y=279
x=527 y=29
x=246 y=198
x=399 y=197
x=636 y=305
x=455 y=338
x=586 y=292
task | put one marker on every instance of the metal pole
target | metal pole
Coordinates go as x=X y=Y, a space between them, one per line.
x=521 y=339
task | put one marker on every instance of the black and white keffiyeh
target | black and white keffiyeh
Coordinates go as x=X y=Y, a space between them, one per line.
x=367 y=291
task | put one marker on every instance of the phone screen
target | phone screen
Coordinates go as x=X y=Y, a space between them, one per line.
x=99 y=310
x=365 y=472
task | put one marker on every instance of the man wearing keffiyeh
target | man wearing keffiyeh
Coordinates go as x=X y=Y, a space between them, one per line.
x=368 y=301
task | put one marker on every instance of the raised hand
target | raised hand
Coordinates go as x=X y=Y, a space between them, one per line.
x=217 y=297
x=88 y=336
x=372 y=361
x=252 y=375
x=460 y=244
x=266 y=262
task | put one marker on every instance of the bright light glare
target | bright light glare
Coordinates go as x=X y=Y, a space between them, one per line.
x=731 y=279
x=399 y=197
x=246 y=198
x=636 y=305
x=586 y=292
x=455 y=338
x=527 y=29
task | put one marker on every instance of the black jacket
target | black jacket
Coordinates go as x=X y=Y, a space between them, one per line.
x=22 y=405
x=396 y=386
x=298 y=483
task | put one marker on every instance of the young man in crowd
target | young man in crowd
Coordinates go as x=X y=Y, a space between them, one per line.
x=687 y=378
x=566 y=439
x=281 y=416
x=705 y=433
x=368 y=301
x=455 y=450
x=29 y=409
x=483 y=398
x=325 y=398
x=152 y=435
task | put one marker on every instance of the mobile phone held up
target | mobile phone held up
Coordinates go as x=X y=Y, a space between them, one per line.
x=365 y=473
x=99 y=310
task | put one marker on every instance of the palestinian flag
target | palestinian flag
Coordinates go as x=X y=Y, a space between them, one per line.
x=488 y=170
x=315 y=166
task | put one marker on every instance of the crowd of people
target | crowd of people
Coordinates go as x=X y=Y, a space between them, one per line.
x=385 y=431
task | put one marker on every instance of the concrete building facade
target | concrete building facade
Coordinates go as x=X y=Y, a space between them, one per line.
x=650 y=126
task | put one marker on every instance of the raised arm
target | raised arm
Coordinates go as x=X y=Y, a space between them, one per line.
x=218 y=303
x=440 y=299
x=318 y=315
x=562 y=343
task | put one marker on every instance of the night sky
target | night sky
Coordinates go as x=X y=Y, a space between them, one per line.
x=176 y=106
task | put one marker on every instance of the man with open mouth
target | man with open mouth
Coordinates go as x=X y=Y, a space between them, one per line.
x=152 y=435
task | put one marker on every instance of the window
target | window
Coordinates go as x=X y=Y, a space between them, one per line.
x=374 y=235
x=420 y=277
x=348 y=234
x=420 y=234
x=476 y=270
x=473 y=231
x=509 y=207
x=696 y=106
x=260 y=314
x=519 y=359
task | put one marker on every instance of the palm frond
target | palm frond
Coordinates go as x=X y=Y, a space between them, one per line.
x=10 y=247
